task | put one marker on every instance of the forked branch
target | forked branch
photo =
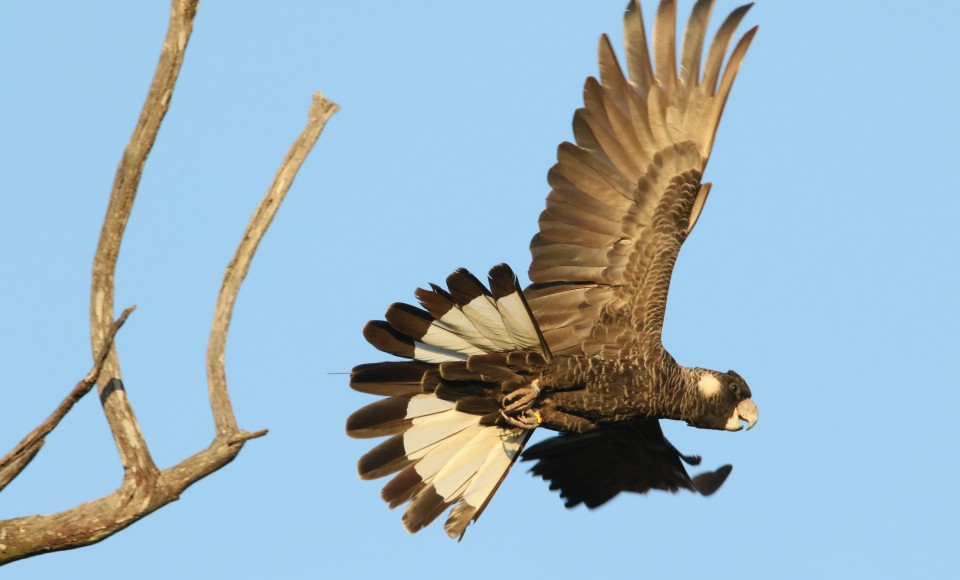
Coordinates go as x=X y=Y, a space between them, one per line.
x=144 y=487
x=19 y=457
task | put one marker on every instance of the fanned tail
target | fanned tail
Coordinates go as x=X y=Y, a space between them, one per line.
x=469 y=346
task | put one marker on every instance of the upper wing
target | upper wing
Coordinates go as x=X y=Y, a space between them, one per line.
x=593 y=467
x=627 y=194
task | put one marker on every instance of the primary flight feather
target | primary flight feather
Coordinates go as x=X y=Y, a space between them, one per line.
x=579 y=351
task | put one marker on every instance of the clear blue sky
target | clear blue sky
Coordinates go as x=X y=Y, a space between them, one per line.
x=824 y=269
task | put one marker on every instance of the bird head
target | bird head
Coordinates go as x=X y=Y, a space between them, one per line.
x=724 y=401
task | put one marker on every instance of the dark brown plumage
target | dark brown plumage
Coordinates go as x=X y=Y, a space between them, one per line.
x=629 y=456
x=579 y=351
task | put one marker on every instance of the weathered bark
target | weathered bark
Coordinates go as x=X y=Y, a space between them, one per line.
x=144 y=487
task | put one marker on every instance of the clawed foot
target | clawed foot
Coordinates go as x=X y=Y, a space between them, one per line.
x=517 y=405
x=528 y=419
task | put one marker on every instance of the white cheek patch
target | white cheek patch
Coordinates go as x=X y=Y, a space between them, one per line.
x=709 y=385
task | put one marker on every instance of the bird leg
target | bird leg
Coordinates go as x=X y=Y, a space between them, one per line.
x=522 y=398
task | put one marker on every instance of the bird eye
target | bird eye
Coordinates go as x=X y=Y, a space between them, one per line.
x=735 y=387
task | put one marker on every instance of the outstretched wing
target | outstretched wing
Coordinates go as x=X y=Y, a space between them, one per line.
x=592 y=468
x=627 y=194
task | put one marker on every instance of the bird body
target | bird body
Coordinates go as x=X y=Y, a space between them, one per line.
x=579 y=351
x=603 y=390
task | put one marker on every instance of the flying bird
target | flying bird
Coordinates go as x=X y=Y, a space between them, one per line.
x=579 y=351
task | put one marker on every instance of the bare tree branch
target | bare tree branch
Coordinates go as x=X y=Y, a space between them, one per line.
x=144 y=487
x=320 y=110
x=17 y=459
x=134 y=454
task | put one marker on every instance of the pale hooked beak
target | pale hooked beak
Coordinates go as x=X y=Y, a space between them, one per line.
x=745 y=411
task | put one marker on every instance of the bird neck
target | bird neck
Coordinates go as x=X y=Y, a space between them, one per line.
x=670 y=396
